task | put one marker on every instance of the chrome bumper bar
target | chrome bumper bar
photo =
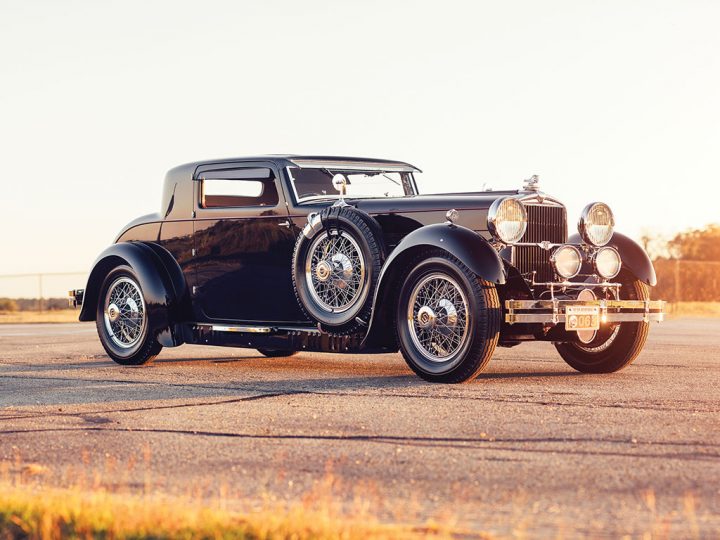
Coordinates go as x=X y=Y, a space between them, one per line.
x=553 y=311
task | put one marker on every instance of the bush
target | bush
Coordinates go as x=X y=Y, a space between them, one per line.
x=8 y=304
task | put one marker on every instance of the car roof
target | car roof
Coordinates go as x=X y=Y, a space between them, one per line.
x=332 y=162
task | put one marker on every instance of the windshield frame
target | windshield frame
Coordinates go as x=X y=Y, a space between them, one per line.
x=407 y=178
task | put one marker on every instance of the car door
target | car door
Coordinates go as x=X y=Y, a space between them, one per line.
x=243 y=246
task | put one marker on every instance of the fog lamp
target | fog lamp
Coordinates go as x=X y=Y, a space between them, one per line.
x=567 y=261
x=607 y=262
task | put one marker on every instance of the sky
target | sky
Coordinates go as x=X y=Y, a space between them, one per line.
x=614 y=101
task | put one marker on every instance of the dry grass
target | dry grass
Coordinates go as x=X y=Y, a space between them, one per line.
x=52 y=513
x=33 y=507
x=25 y=317
x=679 y=310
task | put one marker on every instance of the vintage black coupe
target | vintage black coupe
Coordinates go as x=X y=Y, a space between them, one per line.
x=305 y=253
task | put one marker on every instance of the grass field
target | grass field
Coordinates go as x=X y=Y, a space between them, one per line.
x=677 y=310
x=693 y=309
x=54 y=316
x=53 y=513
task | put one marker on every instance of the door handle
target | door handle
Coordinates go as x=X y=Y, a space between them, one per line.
x=285 y=223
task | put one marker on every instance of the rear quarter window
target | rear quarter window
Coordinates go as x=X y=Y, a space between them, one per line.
x=238 y=188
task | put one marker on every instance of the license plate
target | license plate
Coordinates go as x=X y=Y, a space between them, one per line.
x=582 y=317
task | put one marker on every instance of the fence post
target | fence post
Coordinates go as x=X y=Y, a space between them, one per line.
x=40 y=290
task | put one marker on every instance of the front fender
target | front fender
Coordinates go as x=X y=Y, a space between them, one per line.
x=468 y=246
x=162 y=294
x=633 y=257
x=471 y=248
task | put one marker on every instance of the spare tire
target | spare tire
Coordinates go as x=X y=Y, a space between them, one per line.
x=336 y=266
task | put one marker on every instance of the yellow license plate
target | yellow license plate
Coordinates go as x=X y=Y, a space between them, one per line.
x=582 y=317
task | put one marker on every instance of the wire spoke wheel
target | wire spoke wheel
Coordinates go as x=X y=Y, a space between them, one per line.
x=335 y=271
x=124 y=312
x=437 y=317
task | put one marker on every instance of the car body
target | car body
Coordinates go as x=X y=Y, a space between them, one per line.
x=287 y=253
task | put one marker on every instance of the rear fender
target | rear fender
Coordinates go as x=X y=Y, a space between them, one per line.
x=164 y=289
x=471 y=248
x=633 y=257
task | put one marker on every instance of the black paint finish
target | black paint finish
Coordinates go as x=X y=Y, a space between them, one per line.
x=203 y=266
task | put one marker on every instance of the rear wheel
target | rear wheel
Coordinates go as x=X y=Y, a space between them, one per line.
x=448 y=319
x=615 y=346
x=121 y=319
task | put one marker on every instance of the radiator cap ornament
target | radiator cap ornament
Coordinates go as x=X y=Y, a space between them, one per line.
x=532 y=183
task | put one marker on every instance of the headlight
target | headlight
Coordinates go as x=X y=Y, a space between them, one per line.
x=507 y=220
x=596 y=224
x=607 y=262
x=567 y=261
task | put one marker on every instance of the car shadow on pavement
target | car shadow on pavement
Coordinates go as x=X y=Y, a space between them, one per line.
x=526 y=375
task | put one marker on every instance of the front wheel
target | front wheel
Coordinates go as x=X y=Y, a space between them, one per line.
x=448 y=319
x=615 y=346
x=122 y=321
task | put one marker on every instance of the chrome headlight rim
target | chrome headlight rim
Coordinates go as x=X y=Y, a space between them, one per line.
x=493 y=220
x=585 y=223
x=596 y=255
x=553 y=260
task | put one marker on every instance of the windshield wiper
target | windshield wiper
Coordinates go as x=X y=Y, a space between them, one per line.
x=392 y=180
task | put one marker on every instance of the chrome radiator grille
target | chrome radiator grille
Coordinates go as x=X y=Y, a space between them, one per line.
x=544 y=223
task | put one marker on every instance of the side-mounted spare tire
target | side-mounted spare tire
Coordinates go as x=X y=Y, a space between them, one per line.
x=336 y=266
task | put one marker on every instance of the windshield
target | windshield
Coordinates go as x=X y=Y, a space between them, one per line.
x=312 y=184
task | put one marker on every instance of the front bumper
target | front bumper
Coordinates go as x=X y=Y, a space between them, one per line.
x=553 y=311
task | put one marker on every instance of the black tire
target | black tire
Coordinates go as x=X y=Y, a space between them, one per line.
x=276 y=353
x=359 y=232
x=143 y=347
x=482 y=320
x=613 y=348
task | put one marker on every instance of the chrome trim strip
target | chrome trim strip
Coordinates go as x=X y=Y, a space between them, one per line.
x=352 y=165
x=241 y=329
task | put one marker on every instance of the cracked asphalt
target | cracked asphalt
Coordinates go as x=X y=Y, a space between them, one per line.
x=529 y=448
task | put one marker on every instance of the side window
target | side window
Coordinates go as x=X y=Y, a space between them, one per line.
x=237 y=188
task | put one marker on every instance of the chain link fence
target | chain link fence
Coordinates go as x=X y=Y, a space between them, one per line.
x=41 y=291
x=681 y=280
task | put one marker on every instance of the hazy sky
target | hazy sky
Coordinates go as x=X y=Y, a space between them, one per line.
x=612 y=101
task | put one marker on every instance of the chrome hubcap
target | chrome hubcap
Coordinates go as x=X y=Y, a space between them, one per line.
x=438 y=317
x=113 y=313
x=335 y=272
x=124 y=313
x=426 y=318
x=323 y=271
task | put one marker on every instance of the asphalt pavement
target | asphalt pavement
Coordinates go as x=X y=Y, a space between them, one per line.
x=530 y=448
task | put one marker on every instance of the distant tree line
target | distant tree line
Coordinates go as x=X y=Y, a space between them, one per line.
x=687 y=265
x=32 y=304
